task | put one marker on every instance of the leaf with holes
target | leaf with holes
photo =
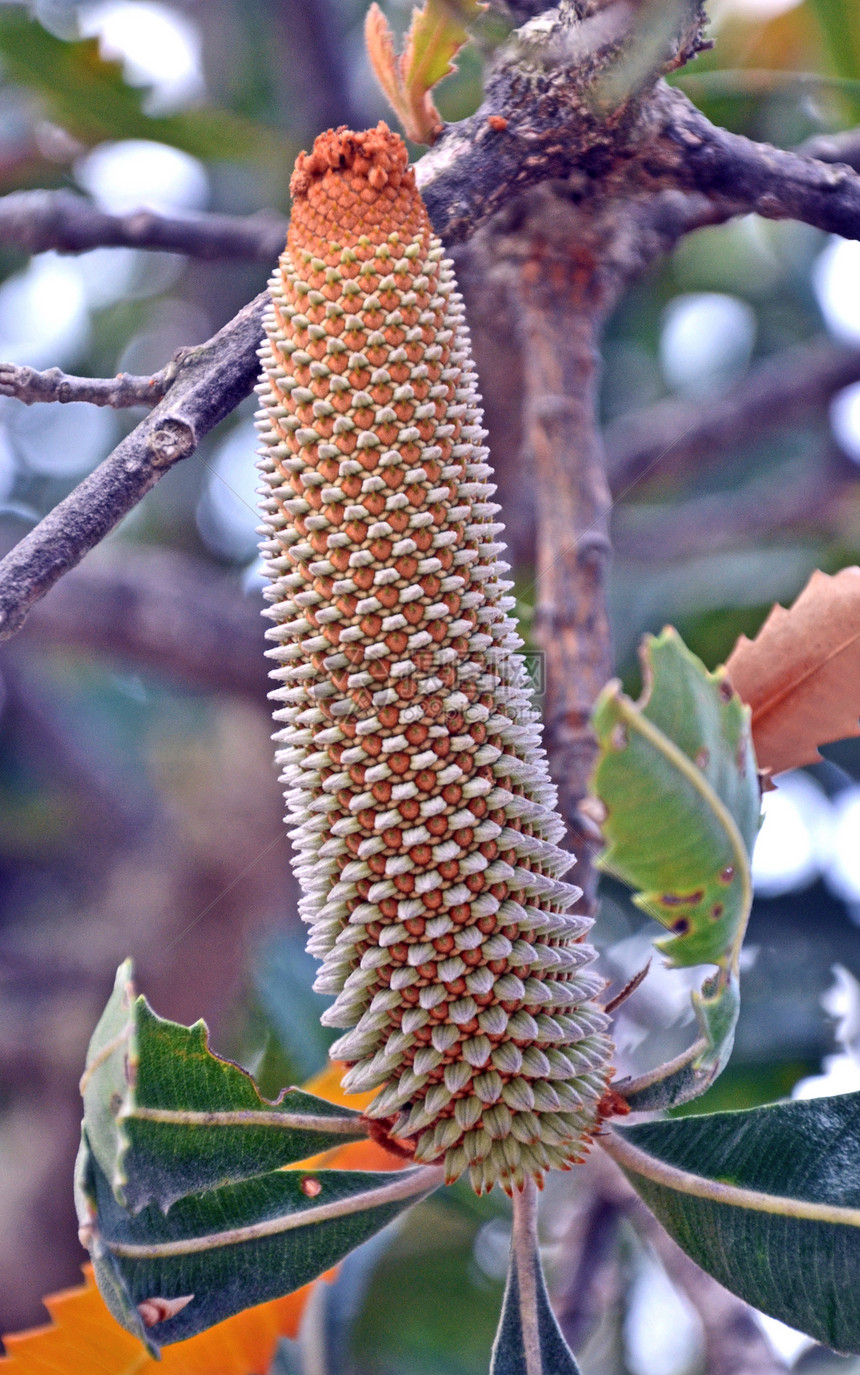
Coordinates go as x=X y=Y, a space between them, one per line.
x=168 y=1276
x=767 y=1201
x=678 y=791
x=165 y=1117
x=182 y=1197
x=84 y=1334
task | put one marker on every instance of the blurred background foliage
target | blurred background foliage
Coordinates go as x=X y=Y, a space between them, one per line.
x=139 y=810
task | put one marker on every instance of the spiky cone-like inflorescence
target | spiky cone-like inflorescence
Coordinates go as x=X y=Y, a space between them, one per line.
x=421 y=805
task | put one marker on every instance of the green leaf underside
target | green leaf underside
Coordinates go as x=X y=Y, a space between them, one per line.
x=509 y=1348
x=165 y=1117
x=236 y=1246
x=677 y=778
x=767 y=1201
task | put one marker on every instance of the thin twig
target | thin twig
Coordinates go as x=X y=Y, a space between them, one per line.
x=739 y=176
x=158 y=610
x=684 y=436
x=39 y=220
x=210 y=382
x=816 y=503
x=841 y=147
x=31 y=386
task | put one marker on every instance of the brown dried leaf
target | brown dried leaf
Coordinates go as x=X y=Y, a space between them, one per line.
x=801 y=673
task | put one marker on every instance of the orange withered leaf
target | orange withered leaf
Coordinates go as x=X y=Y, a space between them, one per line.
x=418 y=790
x=801 y=673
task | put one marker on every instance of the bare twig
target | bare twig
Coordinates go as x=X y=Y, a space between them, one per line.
x=30 y=386
x=589 y=1273
x=708 y=524
x=841 y=147
x=39 y=220
x=682 y=436
x=210 y=382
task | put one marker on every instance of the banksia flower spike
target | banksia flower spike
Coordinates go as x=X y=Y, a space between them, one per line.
x=418 y=792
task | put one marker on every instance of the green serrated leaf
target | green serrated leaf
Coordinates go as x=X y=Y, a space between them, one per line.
x=165 y=1117
x=436 y=34
x=766 y=1200
x=676 y=777
x=218 y=1252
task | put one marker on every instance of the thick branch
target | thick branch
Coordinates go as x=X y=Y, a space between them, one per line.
x=211 y=381
x=561 y=305
x=39 y=220
x=30 y=386
x=681 y=436
x=739 y=176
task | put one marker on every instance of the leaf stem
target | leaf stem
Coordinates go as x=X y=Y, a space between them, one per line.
x=656 y=1076
x=526 y=1258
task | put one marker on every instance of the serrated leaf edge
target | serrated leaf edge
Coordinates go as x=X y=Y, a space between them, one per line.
x=635 y=718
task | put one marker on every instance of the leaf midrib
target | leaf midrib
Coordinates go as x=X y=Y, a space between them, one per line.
x=700 y=784
x=631 y=1157
x=248 y=1117
x=422 y=1182
x=794 y=686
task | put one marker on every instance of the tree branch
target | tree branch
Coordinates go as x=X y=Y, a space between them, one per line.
x=815 y=504
x=548 y=86
x=841 y=147
x=561 y=306
x=739 y=176
x=680 y=436
x=210 y=382
x=30 y=386
x=41 y=220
